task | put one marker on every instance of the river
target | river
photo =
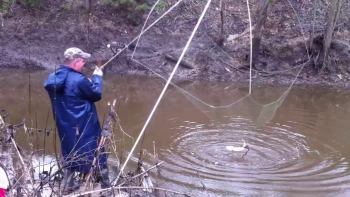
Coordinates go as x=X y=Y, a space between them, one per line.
x=303 y=150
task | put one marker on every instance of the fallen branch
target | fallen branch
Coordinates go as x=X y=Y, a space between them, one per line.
x=183 y=63
x=158 y=164
x=146 y=180
x=282 y=72
x=131 y=187
x=142 y=173
x=238 y=69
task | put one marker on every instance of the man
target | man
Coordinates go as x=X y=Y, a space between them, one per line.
x=72 y=97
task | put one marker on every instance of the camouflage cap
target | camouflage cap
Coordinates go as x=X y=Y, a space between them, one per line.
x=74 y=52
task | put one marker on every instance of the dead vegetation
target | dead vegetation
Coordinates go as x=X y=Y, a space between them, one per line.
x=32 y=174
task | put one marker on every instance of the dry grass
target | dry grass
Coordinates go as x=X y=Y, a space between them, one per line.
x=32 y=174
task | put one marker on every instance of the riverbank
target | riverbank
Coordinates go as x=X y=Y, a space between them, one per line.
x=36 y=38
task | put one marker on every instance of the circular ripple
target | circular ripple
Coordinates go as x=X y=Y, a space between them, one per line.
x=279 y=159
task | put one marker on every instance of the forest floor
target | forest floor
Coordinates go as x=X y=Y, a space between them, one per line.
x=36 y=39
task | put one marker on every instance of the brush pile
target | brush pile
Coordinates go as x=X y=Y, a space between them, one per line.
x=32 y=174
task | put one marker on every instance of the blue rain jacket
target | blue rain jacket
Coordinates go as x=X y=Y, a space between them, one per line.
x=76 y=116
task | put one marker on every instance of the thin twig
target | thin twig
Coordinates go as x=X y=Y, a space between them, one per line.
x=142 y=173
x=203 y=186
x=20 y=157
x=131 y=187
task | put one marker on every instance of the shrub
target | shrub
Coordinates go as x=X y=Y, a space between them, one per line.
x=134 y=8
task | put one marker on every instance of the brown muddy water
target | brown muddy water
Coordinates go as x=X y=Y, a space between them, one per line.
x=303 y=151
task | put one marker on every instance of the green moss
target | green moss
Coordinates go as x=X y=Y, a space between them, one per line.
x=5 y=6
x=134 y=8
x=66 y=6
x=161 y=6
x=33 y=3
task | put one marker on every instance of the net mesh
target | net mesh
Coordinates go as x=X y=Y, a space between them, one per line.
x=205 y=56
x=161 y=44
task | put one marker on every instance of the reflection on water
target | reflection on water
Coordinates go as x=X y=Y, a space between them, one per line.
x=302 y=151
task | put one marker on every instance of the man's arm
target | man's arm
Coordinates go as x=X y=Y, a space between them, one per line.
x=92 y=91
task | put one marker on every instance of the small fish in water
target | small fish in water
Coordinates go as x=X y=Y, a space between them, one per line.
x=237 y=148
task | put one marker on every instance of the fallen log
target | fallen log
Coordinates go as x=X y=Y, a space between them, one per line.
x=183 y=63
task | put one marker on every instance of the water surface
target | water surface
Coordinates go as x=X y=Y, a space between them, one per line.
x=303 y=151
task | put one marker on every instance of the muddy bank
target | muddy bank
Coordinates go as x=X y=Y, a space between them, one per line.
x=36 y=39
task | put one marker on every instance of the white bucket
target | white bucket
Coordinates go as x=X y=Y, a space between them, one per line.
x=4 y=181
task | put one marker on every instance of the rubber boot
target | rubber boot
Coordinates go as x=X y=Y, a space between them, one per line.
x=104 y=178
x=105 y=182
x=68 y=183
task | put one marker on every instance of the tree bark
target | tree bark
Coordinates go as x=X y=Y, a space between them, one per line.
x=88 y=4
x=332 y=16
x=222 y=33
x=257 y=34
x=312 y=35
x=337 y=14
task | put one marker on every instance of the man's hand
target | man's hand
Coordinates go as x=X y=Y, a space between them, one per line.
x=98 y=71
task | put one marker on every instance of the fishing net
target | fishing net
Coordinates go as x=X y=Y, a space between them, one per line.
x=217 y=102
x=176 y=57
x=222 y=104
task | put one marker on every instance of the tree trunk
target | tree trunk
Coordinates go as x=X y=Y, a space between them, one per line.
x=257 y=34
x=332 y=16
x=222 y=34
x=88 y=5
x=4 y=8
x=337 y=14
x=312 y=35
